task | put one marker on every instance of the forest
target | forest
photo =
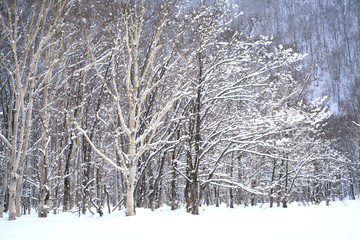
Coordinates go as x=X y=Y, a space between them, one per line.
x=126 y=104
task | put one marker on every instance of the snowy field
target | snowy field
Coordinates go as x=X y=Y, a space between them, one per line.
x=341 y=220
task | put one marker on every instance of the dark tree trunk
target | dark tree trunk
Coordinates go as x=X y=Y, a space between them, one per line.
x=231 y=195
x=57 y=188
x=272 y=181
x=195 y=188
x=196 y=197
x=99 y=194
x=217 y=196
x=285 y=197
x=278 y=186
x=174 y=204
x=67 y=183
x=4 y=188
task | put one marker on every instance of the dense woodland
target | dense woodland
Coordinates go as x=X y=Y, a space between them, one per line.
x=114 y=104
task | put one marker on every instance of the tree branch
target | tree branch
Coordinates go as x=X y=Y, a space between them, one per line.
x=8 y=144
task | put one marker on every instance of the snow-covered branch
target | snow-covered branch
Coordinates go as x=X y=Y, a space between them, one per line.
x=7 y=143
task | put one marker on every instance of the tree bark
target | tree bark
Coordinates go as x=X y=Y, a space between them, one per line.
x=67 y=183
x=272 y=181
x=99 y=186
x=4 y=187
x=173 y=185
x=12 y=192
x=285 y=197
x=42 y=213
x=130 y=187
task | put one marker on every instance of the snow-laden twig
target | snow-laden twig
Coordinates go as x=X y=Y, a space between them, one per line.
x=8 y=144
x=232 y=184
x=95 y=149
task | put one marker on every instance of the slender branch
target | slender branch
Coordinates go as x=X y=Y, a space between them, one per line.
x=8 y=144
x=95 y=149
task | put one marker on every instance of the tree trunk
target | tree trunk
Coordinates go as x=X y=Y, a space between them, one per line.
x=12 y=192
x=15 y=159
x=284 y=202
x=57 y=188
x=20 y=180
x=272 y=181
x=4 y=187
x=44 y=190
x=67 y=184
x=173 y=188
x=86 y=174
x=351 y=185
x=196 y=196
x=74 y=182
x=285 y=197
x=278 y=187
x=231 y=198
x=231 y=195
x=99 y=186
x=18 y=194
x=107 y=199
x=216 y=193
x=42 y=213
x=130 y=187
x=132 y=165
x=187 y=196
x=195 y=188
x=44 y=204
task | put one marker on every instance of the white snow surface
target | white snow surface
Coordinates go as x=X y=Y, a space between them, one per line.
x=340 y=220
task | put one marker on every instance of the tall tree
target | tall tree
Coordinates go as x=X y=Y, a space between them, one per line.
x=140 y=56
x=27 y=35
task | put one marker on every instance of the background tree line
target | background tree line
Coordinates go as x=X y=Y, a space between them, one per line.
x=112 y=104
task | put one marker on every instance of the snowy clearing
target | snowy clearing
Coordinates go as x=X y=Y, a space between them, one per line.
x=338 y=221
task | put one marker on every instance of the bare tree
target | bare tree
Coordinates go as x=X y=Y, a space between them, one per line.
x=27 y=35
x=140 y=56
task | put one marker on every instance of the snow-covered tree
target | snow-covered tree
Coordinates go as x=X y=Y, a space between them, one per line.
x=28 y=32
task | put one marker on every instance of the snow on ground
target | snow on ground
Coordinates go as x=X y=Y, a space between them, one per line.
x=341 y=220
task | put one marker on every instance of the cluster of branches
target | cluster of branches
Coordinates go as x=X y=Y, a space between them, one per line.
x=144 y=103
